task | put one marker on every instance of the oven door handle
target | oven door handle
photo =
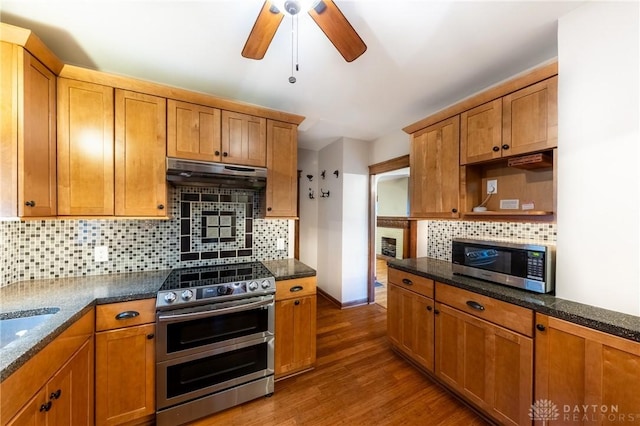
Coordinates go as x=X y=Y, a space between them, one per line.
x=213 y=312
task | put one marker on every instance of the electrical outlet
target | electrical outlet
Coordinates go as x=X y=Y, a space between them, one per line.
x=492 y=186
x=101 y=253
x=280 y=244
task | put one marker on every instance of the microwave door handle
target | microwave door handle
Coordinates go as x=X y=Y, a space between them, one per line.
x=213 y=312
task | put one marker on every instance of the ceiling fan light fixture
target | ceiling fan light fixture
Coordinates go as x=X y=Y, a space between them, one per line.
x=293 y=7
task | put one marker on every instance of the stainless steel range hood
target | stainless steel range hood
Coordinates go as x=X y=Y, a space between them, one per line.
x=201 y=173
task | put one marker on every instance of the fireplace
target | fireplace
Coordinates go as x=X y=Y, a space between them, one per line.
x=388 y=247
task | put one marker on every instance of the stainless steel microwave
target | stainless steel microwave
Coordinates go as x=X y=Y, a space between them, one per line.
x=527 y=266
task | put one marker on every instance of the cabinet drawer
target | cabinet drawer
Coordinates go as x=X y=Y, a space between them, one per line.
x=298 y=287
x=415 y=283
x=119 y=315
x=505 y=314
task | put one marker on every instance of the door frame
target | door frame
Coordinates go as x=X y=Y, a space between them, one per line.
x=375 y=169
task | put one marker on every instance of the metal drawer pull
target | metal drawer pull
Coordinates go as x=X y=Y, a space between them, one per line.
x=56 y=394
x=296 y=288
x=541 y=327
x=127 y=315
x=407 y=281
x=475 y=305
x=45 y=407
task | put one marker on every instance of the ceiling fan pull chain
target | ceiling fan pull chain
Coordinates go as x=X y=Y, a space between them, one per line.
x=292 y=79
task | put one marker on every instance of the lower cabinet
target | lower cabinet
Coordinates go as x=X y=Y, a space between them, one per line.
x=67 y=398
x=295 y=341
x=584 y=376
x=125 y=362
x=410 y=320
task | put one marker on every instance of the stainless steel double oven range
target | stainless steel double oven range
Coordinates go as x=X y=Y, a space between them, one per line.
x=215 y=340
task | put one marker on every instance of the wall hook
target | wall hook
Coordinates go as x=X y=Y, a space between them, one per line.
x=311 y=195
x=310 y=177
x=337 y=173
x=324 y=194
x=324 y=172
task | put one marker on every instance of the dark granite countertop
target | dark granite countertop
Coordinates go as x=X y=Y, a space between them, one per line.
x=616 y=323
x=74 y=297
x=287 y=269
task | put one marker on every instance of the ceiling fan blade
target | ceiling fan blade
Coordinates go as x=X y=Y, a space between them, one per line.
x=338 y=30
x=262 y=32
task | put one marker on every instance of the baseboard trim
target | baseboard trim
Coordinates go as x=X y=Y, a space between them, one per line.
x=336 y=302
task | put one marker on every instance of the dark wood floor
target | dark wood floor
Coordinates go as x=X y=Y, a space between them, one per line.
x=358 y=381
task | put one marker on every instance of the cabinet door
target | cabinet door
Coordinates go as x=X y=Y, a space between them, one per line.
x=140 y=185
x=282 y=166
x=85 y=148
x=530 y=118
x=295 y=348
x=481 y=133
x=410 y=324
x=578 y=367
x=9 y=129
x=125 y=374
x=193 y=131
x=244 y=139
x=36 y=139
x=34 y=412
x=71 y=390
x=489 y=365
x=434 y=180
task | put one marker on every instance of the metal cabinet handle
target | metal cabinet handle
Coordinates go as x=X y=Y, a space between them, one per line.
x=407 y=281
x=454 y=210
x=429 y=308
x=160 y=206
x=436 y=311
x=505 y=146
x=296 y=288
x=30 y=203
x=56 y=394
x=45 y=407
x=127 y=315
x=496 y=148
x=297 y=302
x=217 y=153
x=150 y=336
x=225 y=154
x=268 y=209
x=475 y=305
x=541 y=327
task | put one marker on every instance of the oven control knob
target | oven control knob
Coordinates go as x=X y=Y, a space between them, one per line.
x=253 y=286
x=266 y=284
x=187 y=295
x=170 y=297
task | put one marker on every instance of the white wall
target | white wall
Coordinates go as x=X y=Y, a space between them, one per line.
x=598 y=250
x=308 y=214
x=393 y=197
x=393 y=145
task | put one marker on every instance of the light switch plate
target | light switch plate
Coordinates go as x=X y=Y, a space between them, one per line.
x=101 y=254
x=280 y=244
x=509 y=204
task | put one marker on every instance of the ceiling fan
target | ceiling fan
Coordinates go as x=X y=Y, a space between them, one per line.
x=325 y=13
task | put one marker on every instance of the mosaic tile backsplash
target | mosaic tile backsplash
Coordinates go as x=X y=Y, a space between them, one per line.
x=441 y=232
x=64 y=248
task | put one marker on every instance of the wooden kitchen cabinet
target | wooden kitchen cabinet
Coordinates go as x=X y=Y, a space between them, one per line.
x=577 y=367
x=67 y=399
x=30 y=395
x=244 y=139
x=85 y=148
x=521 y=122
x=434 y=185
x=410 y=319
x=487 y=363
x=125 y=363
x=193 y=131
x=295 y=318
x=28 y=130
x=140 y=151
x=282 y=166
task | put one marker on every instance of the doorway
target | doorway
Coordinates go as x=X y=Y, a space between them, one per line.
x=391 y=233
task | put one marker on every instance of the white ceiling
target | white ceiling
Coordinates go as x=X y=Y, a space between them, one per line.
x=421 y=56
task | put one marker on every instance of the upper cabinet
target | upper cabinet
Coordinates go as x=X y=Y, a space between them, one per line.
x=434 y=183
x=28 y=130
x=193 y=131
x=140 y=184
x=282 y=163
x=244 y=139
x=530 y=118
x=519 y=123
x=85 y=148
